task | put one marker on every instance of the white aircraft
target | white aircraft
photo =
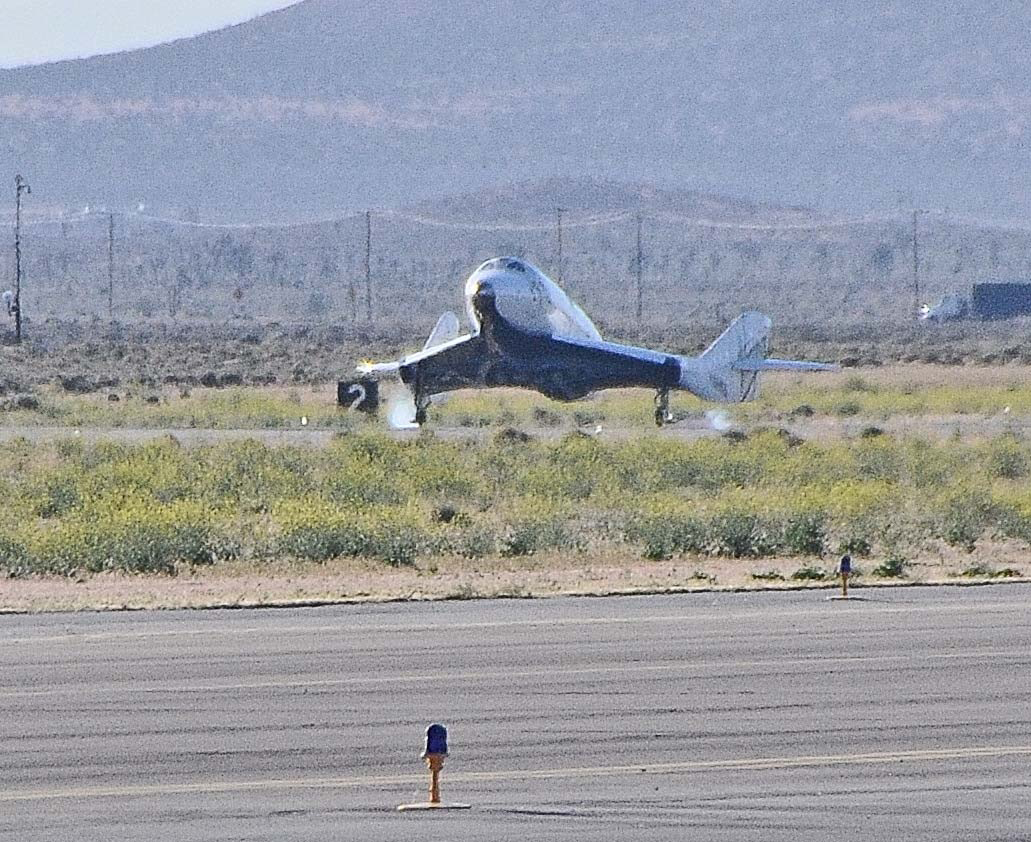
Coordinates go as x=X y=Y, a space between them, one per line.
x=526 y=332
x=953 y=306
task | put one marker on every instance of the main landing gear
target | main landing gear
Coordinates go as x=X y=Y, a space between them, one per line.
x=422 y=402
x=662 y=413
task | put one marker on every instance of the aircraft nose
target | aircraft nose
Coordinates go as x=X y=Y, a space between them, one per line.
x=483 y=302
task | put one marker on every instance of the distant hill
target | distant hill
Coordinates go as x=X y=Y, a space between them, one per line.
x=336 y=104
x=534 y=201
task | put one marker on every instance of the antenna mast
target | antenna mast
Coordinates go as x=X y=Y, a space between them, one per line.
x=640 y=273
x=558 y=232
x=111 y=266
x=368 y=266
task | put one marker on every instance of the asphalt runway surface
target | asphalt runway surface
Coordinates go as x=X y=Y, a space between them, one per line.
x=757 y=716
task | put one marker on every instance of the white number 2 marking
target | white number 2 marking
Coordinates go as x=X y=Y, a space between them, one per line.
x=359 y=390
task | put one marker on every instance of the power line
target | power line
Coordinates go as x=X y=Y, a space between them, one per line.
x=540 y=225
x=543 y=224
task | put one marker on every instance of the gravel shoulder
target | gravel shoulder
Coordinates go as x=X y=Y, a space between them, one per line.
x=352 y=581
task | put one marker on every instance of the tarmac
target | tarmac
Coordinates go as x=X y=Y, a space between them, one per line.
x=765 y=716
x=933 y=427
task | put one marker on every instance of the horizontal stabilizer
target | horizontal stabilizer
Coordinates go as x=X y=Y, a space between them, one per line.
x=769 y=364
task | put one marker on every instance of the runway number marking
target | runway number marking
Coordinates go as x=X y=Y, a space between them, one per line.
x=376 y=781
x=359 y=390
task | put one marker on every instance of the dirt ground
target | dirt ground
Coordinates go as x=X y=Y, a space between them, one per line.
x=536 y=576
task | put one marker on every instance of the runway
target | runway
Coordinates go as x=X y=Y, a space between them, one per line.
x=931 y=427
x=766 y=716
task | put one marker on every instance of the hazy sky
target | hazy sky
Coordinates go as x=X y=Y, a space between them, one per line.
x=36 y=31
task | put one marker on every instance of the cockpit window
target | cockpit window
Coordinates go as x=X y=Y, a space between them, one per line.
x=509 y=263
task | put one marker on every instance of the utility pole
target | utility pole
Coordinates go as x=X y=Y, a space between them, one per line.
x=352 y=290
x=558 y=231
x=368 y=266
x=916 y=262
x=111 y=266
x=640 y=273
x=20 y=186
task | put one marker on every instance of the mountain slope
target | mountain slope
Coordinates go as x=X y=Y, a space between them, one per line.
x=334 y=104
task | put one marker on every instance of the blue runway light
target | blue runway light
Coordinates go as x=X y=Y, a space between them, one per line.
x=436 y=740
x=845 y=570
x=434 y=754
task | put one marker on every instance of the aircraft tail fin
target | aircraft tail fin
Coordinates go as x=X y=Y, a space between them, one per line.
x=728 y=370
x=446 y=329
x=746 y=339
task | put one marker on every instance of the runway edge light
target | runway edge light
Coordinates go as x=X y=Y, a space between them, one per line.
x=434 y=754
x=845 y=570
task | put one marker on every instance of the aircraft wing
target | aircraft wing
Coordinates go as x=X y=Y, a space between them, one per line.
x=582 y=366
x=616 y=348
x=377 y=368
x=396 y=365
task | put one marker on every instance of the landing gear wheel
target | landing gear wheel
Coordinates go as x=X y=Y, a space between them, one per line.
x=662 y=413
x=422 y=402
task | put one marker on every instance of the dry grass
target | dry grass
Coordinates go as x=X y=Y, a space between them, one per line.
x=910 y=400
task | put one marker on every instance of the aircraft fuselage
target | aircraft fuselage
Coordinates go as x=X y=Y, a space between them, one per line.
x=522 y=351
